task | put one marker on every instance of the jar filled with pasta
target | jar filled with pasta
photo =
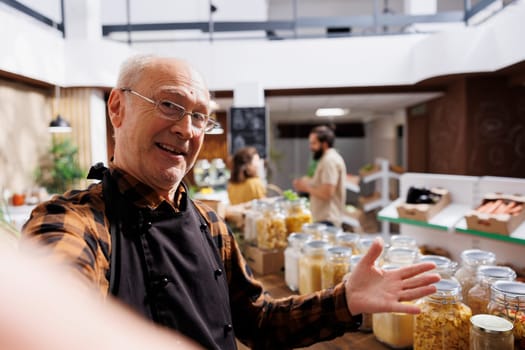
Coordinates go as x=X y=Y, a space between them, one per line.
x=350 y=240
x=507 y=300
x=478 y=297
x=298 y=214
x=445 y=267
x=444 y=320
x=471 y=259
x=393 y=328
x=292 y=255
x=271 y=228
x=489 y=332
x=315 y=229
x=336 y=265
x=310 y=265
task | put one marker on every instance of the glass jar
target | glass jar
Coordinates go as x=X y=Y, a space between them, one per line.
x=445 y=267
x=478 y=297
x=507 y=300
x=364 y=244
x=310 y=265
x=336 y=265
x=315 y=229
x=251 y=220
x=393 y=328
x=403 y=242
x=350 y=240
x=271 y=228
x=329 y=234
x=489 y=332
x=470 y=261
x=298 y=214
x=292 y=255
x=401 y=256
x=444 y=320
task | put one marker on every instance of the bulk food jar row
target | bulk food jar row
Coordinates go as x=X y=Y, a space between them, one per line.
x=478 y=304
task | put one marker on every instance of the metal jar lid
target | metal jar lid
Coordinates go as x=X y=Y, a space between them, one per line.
x=491 y=324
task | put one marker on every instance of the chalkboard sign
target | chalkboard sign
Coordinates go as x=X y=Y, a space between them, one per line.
x=248 y=127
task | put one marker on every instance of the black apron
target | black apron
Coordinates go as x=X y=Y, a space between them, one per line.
x=165 y=265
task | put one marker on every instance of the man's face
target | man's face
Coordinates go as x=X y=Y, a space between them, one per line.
x=157 y=151
x=315 y=146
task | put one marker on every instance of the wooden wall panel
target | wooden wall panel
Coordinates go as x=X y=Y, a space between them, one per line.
x=74 y=106
x=497 y=128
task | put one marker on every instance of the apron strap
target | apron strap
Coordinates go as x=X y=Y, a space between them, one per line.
x=111 y=200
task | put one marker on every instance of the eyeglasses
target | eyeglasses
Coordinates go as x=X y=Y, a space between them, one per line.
x=172 y=111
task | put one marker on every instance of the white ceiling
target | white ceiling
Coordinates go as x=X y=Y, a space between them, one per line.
x=363 y=107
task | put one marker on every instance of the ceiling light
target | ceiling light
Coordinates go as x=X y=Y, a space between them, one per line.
x=331 y=112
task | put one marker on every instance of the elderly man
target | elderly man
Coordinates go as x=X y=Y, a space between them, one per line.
x=139 y=237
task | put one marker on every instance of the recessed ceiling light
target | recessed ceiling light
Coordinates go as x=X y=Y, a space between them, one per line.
x=331 y=112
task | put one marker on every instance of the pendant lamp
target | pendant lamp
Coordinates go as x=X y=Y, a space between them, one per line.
x=59 y=124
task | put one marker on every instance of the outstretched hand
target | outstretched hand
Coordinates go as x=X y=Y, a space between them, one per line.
x=370 y=289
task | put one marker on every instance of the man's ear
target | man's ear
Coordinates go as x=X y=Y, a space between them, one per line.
x=116 y=107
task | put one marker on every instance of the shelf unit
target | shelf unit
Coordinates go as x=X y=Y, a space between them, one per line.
x=383 y=175
x=448 y=228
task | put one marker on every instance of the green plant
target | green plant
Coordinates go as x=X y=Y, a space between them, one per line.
x=59 y=169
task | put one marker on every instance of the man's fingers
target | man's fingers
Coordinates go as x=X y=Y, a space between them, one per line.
x=416 y=293
x=416 y=269
x=373 y=253
x=406 y=308
x=420 y=280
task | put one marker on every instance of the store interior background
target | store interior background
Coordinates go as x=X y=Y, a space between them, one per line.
x=443 y=98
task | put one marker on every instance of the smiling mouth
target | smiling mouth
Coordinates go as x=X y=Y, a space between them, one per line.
x=170 y=149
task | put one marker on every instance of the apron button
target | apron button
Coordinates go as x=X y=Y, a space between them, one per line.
x=218 y=273
x=227 y=328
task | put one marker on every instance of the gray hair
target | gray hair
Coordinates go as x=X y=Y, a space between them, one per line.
x=131 y=69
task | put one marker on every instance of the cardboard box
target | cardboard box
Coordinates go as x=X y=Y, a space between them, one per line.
x=263 y=261
x=424 y=212
x=502 y=224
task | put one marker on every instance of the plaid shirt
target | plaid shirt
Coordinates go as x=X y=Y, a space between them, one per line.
x=76 y=229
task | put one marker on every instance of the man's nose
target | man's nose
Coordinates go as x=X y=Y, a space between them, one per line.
x=183 y=126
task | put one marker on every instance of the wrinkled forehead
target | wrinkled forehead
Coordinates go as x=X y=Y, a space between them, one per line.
x=170 y=74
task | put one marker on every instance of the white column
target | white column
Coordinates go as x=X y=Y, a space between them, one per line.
x=98 y=130
x=420 y=7
x=248 y=94
x=83 y=19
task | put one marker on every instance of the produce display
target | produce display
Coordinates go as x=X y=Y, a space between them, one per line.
x=497 y=213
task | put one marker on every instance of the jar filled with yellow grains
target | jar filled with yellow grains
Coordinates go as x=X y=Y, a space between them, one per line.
x=392 y=328
x=315 y=229
x=478 y=297
x=507 y=300
x=310 y=265
x=350 y=240
x=489 y=332
x=336 y=265
x=445 y=267
x=271 y=228
x=444 y=320
x=292 y=255
x=298 y=214
x=471 y=259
